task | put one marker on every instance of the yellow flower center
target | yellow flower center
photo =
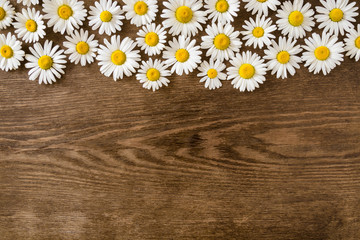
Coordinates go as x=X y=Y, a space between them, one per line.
x=31 y=25
x=45 y=62
x=153 y=74
x=357 y=42
x=118 y=57
x=182 y=55
x=151 y=39
x=262 y=1
x=2 y=13
x=221 y=41
x=283 y=57
x=140 y=8
x=65 y=12
x=105 y=16
x=184 y=14
x=212 y=73
x=6 y=51
x=336 y=15
x=222 y=6
x=82 y=48
x=296 y=18
x=258 y=32
x=246 y=71
x=322 y=53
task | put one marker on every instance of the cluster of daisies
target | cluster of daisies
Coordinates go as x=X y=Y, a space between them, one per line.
x=182 y=20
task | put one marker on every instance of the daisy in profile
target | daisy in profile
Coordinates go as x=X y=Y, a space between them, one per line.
x=322 y=53
x=11 y=53
x=352 y=43
x=247 y=71
x=336 y=16
x=153 y=74
x=46 y=63
x=118 y=57
x=106 y=16
x=211 y=73
x=295 y=18
x=261 y=6
x=7 y=12
x=183 y=17
x=29 y=25
x=140 y=12
x=282 y=56
x=258 y=32
x=81 y=47
x=223 y=11
x=182 y=55
x=221 y=42
x=151 y=39
x=64 y=15
x=28 y=2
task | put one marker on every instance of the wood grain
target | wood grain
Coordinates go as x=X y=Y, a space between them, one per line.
x=90 y=158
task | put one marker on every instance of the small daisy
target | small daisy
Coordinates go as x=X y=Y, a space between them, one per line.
x=182 y=55
x=106 y=16
x=261 y=6
x=221 y=42
x=258 y=32
x=64 y=15
x=247 y=71
x=322 y=53
x=183 y=17
x=140 y=12
x=283 y=57
x=153 y=74
x=46 y=63
x=29 y=25
x=118 y=57
x=336 y=16
x=352 y=43
x=28 y=2
x=211 y=73
x=11 y=53
x=151 y=39
x=295 y=18
x=223 y=11
x=7 y=12
x=81 y=46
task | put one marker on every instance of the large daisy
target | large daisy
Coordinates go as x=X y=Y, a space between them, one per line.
x=28 y=2
x=140 y=12
x=29 y=25
x=352 y=43
x=151 y=39
x=261 y=6
x=183 y=17
x=7 y=12
x=322 y=53
x=153 y=74
x=11 y=53
x=211 y=73
x=223 y=11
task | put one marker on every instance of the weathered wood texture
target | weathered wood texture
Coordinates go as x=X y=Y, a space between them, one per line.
x=90 y=158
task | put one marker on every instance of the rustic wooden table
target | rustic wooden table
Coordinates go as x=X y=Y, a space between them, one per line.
x=90 y=158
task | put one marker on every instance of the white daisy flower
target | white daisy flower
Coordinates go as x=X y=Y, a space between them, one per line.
x=247 y=71
x=261 y=6
x=221 y=42
x=118 y=57
x=7 y=12
x=211 y=73
x=151 y=39
x=46 y=63
x=295 y=18
x=28 y=2
x=223 y=11
x=258 y=32
x=140 y=12
x=81 y=46
x=11 y=53
x=153 y=74
x=29 y=25
x=64 y=15
x=283 y=57
x=182 y=55
x=352 y=43
x=322 y=53
x=183 y=17
x=336 y=16
x=106 y=16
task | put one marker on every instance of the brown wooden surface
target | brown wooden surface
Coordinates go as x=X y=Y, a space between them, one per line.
x=90 y=158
